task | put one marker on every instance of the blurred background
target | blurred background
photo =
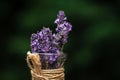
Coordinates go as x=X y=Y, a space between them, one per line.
x=93 y=48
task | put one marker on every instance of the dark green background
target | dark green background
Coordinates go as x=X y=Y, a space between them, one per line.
x=93 y=48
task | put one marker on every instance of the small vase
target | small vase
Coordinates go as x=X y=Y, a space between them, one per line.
x=41 y=69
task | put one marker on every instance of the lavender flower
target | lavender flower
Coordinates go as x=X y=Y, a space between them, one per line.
x=63 y=28
x=50 y=45
x=40 y=42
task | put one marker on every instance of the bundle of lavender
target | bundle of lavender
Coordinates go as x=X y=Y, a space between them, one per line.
x=46 y=58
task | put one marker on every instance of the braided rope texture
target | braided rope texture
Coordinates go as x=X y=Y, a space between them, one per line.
x=33 y=61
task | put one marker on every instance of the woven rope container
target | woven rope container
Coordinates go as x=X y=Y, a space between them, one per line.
x=37 y=73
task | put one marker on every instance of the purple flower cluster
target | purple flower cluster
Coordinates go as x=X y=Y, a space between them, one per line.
x=63 y=28
x=41 y=41
x=47 y=43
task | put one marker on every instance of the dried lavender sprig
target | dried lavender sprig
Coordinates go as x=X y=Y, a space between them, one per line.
x=42 y=42
x=63 y=29
x=46 y=42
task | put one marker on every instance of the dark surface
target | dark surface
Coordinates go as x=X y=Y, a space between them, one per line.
x=93 y=48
